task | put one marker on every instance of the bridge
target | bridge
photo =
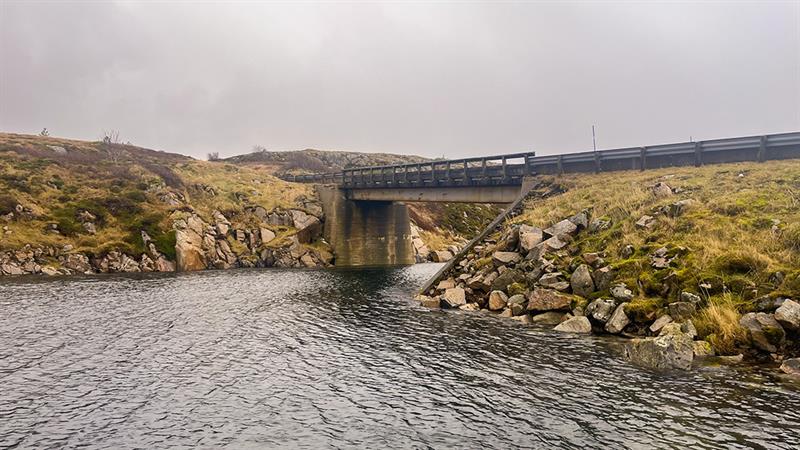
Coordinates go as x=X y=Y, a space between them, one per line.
x=367 y=223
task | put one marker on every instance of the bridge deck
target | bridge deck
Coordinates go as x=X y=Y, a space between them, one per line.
x=510 y=169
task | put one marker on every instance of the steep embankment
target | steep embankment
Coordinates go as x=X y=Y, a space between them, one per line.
x=713 y=250
x=438 y=228
x=71 y=206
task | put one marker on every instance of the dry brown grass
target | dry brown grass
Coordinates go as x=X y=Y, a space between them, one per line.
x=718 y=323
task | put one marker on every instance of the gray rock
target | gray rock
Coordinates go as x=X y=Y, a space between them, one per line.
x=662 y=190
x=505 y=258
x=549 y=280
x=646 y=221
x=518 y=299
x=267 y=235
x=497 y=300
x=671 y=351
x=524 y=319
x=603 y=278
x=681 y=311
x=791 y=366
x=446 y=284
x=621 y=293
x=529 y=237
x=580 y=220
x=581 y=281
x=627 y=251
x=601 y=309
x=618 y=321
x=548 y=318
x=548 y=300
x=575 y=325
x=470 y=307
x=660 y=322
x=508 y=277
x=563 y=227
x=441 y=256
x=599 y=225
x=517 y=309
x=765 y=332
x=690 y=298
x=788 y=315
x=702 y=349
x=454 y=297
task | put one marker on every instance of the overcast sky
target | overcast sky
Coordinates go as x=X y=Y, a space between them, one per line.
x=452 y=79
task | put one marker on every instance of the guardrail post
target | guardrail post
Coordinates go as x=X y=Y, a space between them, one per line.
x=525 y=169
x=698 y=154
x=394 y=174
x=483 y=169
x=505 y=168
x=762 y=149
x=643 y=158
x=447 y=172
x=466 y=172
x=560 y=164
x=597 y=167
x=419 y=174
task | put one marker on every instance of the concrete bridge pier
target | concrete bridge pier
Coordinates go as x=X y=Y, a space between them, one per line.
x=366 y=233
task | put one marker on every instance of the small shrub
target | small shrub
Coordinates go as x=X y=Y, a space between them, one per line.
x=742 y=262
x=791 y=236
x=7 y=204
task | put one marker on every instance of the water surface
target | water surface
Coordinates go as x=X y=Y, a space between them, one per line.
x=340 y=359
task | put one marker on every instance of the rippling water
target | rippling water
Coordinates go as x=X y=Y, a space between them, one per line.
x=340 y=359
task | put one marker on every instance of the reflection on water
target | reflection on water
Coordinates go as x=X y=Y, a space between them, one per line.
x=342 y=358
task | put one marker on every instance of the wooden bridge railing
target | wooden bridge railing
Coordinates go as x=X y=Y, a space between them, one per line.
x=511 y=168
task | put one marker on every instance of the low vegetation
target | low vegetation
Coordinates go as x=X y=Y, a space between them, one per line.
x=735 y=239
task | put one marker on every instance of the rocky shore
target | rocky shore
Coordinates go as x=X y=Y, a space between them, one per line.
x=542 y=276
x=278 y=238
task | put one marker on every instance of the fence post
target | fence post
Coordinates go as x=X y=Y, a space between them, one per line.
x=762 y=149
x=643 y=158
x=698 y=154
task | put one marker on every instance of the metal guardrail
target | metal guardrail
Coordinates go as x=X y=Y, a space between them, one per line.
x=499 y=170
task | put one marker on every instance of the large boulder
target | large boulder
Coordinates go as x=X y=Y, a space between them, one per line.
x=540 y=300
x=497 y=300
x=529 y=237
x=308 y=227
x=189 y=244
x=765 y=332
x=578 y=324
x=618 y=321
x=671 y=351
x=455 y=297
x=788 y=315
x=581 y=281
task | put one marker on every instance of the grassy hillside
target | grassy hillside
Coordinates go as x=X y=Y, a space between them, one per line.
x=731 y=233
x=318 y=161
x=126 y=188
